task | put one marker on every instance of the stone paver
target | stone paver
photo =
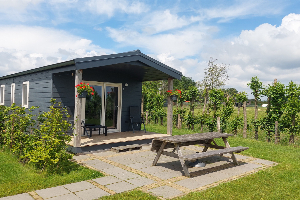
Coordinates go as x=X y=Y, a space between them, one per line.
x=121 y=186
x=24 y=196
x=168 y=170
x=107 y=180
x=165 y=191
x=98 y=164
x=120 y=173
x=70 y=196
x=52 y=192
x=75 y=187
x=140 y=181
x=90 y=194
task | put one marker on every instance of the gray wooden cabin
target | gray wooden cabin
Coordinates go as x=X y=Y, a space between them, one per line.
x=122 y=73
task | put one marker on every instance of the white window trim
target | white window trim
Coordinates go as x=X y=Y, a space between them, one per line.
x=2 y=95
x=27 y=100
x=12 y=93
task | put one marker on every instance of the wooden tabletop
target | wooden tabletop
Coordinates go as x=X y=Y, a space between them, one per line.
x=193 y=137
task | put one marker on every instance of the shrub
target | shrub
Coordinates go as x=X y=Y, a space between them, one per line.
x=39 y=139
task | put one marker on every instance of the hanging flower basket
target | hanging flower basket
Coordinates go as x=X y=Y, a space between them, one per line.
x=84 y=89
x=174 y=97
x=174 y=94
x=83 y=94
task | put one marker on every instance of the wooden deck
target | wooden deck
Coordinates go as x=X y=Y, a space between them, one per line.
x=117 y=137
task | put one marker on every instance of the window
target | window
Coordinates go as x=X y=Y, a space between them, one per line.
x=2 y=90
x=25 y=94
x=12 y=93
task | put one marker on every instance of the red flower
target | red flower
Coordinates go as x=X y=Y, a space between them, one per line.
x=92 y=93
x=88 y=84
x=80 y=83
x=76 y=95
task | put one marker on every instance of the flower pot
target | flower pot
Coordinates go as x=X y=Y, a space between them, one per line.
x=82 y=95
x=173 y=97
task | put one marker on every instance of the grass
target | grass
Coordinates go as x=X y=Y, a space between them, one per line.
x=17 y=178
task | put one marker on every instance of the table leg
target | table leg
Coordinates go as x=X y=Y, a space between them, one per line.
x=91 y=131
x=183 y=164
x=232 y=154
x=205 y=146
x=226 y=142
x=159 y=153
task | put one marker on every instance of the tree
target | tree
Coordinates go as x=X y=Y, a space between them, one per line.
x=216 y=97
x=191 y=95
x=276 y=101
x=230 y=91
x=256 y=87
x=215 y=76
x=241 y=97
x=184 y=83
x=291 y=109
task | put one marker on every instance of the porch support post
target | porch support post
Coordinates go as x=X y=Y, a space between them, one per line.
x=77 y=113
x=170 y=109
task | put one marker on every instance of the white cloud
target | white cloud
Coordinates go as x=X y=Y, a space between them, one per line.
x=160 y=21
x=268 y=52
x=109 y=7
x=238 y=9
x=23 y=47
x=180 y=43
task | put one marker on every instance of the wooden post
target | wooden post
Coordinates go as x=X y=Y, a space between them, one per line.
x=77 y=113
x=170 y=109
x=219 y=124
x=245 y=119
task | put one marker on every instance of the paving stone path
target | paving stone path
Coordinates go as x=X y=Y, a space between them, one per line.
x=126 y=171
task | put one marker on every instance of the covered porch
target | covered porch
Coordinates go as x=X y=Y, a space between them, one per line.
x=117 y=77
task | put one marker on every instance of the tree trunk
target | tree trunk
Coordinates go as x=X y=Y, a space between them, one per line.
x=161 y=121
x=277 y=136
x=256 y=110
x=147 y=112
x=205 y=100
x=245 y=120
x=219 y=124
x=192 y=111
x=239 y=105
x=235 y=132
x=179 y=123
x=256 y=135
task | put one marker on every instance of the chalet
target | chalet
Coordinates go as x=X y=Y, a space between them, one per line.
x=116 y=78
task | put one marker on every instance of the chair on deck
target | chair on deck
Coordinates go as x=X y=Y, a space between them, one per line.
x=135 y=117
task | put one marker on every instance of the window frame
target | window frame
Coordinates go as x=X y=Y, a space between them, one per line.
x=12 y=93
x=2 y=94
x=25 y=104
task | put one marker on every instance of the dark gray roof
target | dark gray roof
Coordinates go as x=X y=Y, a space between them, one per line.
x=134 y=62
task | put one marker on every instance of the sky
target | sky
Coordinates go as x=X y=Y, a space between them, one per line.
x=253 y=38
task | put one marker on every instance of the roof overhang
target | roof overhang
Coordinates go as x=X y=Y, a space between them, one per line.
x=132 y=63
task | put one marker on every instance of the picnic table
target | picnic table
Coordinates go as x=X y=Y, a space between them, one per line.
x=205 y=139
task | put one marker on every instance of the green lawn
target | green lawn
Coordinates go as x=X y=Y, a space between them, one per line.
x=17 y=178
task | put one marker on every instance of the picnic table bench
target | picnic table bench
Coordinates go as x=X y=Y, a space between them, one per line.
x=205 y=139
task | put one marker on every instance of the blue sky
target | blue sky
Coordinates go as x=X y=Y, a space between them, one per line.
x=255 y=38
